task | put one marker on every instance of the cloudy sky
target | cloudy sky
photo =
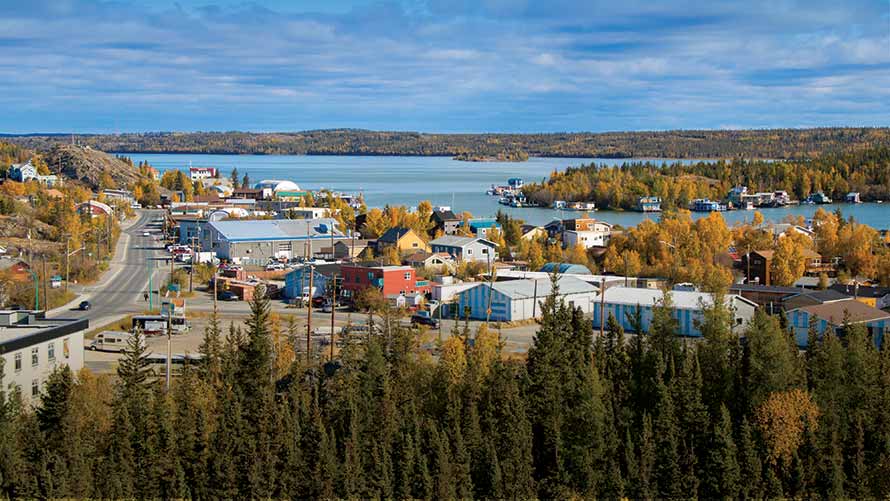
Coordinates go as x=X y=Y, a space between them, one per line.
x=442 y=65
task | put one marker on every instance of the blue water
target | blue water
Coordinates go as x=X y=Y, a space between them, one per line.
x=443 y=181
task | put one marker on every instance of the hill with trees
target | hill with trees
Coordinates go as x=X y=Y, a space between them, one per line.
x=772 y=144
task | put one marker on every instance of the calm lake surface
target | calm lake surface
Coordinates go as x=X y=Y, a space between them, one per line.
x=443 y=181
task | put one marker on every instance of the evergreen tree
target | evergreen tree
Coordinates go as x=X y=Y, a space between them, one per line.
x=721 y=472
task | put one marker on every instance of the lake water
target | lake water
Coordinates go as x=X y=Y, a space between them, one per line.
x=443 y=181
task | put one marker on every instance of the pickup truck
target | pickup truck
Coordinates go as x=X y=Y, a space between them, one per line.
x=423 y=318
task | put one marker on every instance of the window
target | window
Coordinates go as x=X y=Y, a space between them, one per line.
x=35 y=356
x=469 y=252
x=407 y=275
x=414 y=244
x=65 y=351
x=18 y=362
x=51 y=352
x=35 y=387
x=485 y=251
x=284 y=246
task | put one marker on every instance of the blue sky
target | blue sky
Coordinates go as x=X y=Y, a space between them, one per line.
x=442 y=65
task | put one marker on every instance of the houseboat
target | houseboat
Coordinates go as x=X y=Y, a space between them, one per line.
x=581 y=206
x=707 y=205
x=649 y=204
x=853 y=198
x=513 y=187
x=819 y=198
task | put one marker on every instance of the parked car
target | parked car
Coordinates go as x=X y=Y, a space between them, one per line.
x=275 y=266
x=418 y=319
x=227 y=296
x=84 y=306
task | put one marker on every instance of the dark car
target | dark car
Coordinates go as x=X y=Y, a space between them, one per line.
x=84 y=305
x=425 y=320
x=228 y=296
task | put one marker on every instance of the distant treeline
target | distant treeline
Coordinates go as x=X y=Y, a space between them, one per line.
x=619 y=187
x=774 y=144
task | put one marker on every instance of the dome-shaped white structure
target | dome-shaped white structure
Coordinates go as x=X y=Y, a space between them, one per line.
x=277 y=185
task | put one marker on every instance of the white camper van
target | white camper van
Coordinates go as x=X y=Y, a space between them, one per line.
x=112 y=341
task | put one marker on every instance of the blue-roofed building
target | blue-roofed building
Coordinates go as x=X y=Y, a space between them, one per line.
x=686 y=306
x=481 y=227
x=568 y=268
x=256 y=241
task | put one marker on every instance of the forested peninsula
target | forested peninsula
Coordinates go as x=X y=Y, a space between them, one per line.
x=702 y=144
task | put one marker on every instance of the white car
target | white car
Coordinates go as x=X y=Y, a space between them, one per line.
x=146 y=234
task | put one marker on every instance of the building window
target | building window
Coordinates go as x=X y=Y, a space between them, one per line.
x=485 y=251
x=35 y=387
x=407 y=275
x=284 y=247
x=18 y=362
x=469 y=252
x=414 y=244
x=35 y=356
x=51 y=352
x=66 y=352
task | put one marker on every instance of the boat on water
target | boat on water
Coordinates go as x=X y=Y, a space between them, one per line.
x=581 y=206
x=707 y=205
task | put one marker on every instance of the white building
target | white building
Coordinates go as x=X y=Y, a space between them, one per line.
x=521 y=299
x=26 y=172
x=33 y=347
x=277 y=185
x=586 y=239
x=307 y=212
x=199 y=173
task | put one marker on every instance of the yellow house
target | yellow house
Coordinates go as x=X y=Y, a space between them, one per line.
x=403 y=239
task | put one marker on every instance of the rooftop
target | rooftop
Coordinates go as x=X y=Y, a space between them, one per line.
x=680 y=299
x=540 y=287
x=27 y=330
x=770 y=289
x=457 y=241
x=276 y=229
x=861 y=291
x=854 y=311
x=824 y=296
x=577 y=269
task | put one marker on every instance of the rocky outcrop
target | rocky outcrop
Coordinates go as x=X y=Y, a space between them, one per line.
x=87 y=165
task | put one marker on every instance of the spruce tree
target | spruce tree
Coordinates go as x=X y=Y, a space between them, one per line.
x=722 y=474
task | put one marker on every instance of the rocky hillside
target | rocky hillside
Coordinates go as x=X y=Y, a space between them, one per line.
x=89 y=165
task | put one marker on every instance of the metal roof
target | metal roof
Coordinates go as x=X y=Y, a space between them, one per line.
x=522 y=289
x=276 y=229
x=686 y=300
x=456 y=241
x=577 y=269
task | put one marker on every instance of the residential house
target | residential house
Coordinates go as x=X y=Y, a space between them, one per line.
x=403 y=239
x=649 y=204
x=16 y=269
x=125 y=196
x=437 y=261
x=517 y=300
x=586 y=239
x=306 y=212
x=532 y=232
x=252 y=193
x=877 y=297
x=27 y=172
x=94 y=208
x=466 y=248
x=350 y=248
x=32 y=347
x=756 y=265
x=256 y=241
x=446 y=221
x=833 y=315
x=200 y=173
x=391 y=280
x=686 y=308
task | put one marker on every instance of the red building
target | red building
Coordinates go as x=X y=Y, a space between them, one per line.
x=391 y=280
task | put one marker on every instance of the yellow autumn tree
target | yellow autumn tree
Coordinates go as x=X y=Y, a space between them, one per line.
x=782 y=419
x=453 y=359
x=788 y=262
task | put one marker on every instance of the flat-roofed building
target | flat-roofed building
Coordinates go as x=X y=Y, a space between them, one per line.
x=32 y=347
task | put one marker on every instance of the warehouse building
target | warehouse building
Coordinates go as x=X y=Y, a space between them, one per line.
x=255 y=242
x=520 y=299
x=686 y=307
x=32 y=347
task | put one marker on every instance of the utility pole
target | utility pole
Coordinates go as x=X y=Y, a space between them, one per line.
x=333 y=309
x=150 y=287
x=67 y=259
x=309 y=318
x=603 y=307
x=169 y=344
x=45 y=286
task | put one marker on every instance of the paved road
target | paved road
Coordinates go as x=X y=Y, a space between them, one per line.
x=121 y=289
